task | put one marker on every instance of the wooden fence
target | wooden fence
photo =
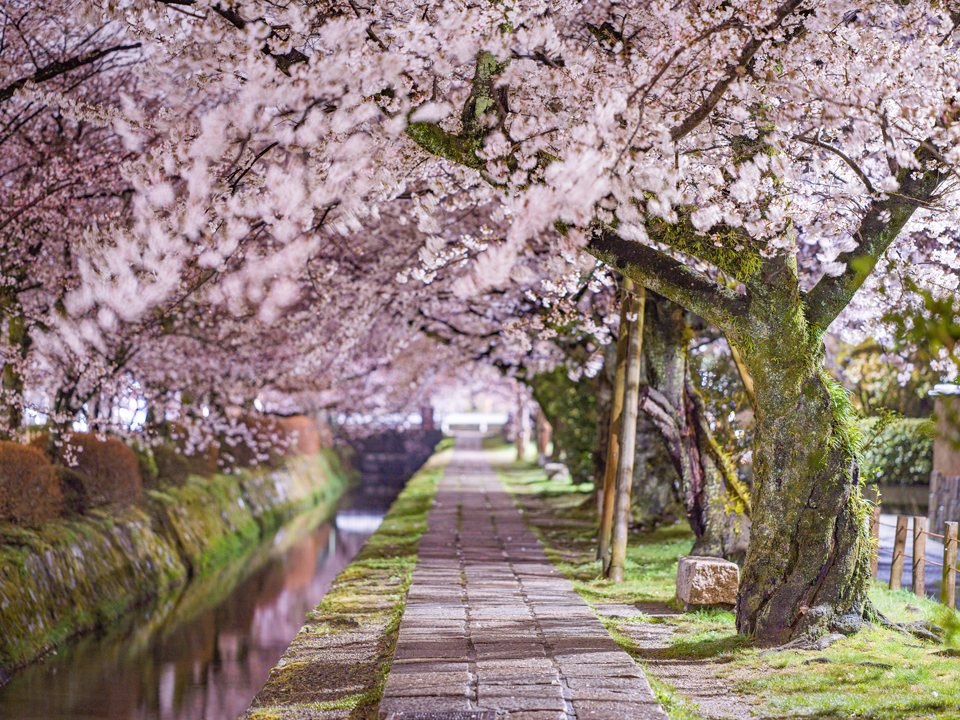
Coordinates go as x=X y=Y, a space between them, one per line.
x=919 y=559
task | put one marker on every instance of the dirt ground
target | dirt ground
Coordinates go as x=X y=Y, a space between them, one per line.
x=697 y=680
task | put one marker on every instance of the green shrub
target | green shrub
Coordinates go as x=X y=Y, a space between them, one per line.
x=147 y=465
x=106 y=470
x=173 y=468
x=900 y=453
x=571 y=407
x=29 y=491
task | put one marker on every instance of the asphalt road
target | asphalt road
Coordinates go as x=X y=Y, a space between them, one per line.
x=934 y=552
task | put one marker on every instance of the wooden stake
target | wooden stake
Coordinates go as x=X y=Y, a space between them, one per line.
x=899 y=543
x=613 y=445
x=628 y=438
x=919 y=555
x=949 y=587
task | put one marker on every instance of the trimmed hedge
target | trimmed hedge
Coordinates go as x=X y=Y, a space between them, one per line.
x=102 y=471
x=29 y=490
x=902 y=453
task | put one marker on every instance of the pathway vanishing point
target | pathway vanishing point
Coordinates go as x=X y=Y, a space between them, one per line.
x=491 y=625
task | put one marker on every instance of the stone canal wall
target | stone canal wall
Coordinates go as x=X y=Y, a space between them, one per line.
x=77 y=574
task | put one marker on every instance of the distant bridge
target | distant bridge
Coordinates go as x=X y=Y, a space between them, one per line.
x=478 y=420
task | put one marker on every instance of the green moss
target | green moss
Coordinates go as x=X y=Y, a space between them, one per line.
x=71 y=576
x=728 y=249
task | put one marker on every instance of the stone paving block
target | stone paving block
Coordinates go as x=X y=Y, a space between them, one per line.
x=592 y=683
x=591 y=656
x=435 y=650
x=423 y=704
x=533 y=664
x=509 y=651
x=598 y=710
x=464 y=691
x=588 y=669
x=514 y=702
x=435 y=678
x=421 y=665
x=489 y=617
x=517 y=676
x=534 y=715
x=491 y=694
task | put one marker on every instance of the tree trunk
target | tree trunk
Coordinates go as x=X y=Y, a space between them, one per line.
x=543 y=436
x=613 y=439
x=628 y=435
x=18 y=344
x=523 y=436
x=713 y=497
x=807 y=569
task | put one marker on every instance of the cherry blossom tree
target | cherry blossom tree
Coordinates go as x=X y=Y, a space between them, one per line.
x=60 y=168
x=751 y=161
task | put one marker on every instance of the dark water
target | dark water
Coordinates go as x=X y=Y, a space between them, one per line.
x=205 y=652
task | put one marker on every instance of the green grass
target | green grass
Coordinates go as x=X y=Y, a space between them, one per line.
x=673 y=703
x=877 y=674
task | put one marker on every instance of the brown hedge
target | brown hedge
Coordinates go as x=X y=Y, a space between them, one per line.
x=29 y=491
x=302 y=433
x=101 y=471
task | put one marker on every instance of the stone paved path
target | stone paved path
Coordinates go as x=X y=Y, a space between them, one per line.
x=490 y=624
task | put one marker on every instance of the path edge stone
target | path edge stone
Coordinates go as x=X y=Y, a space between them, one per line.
x=358 y=619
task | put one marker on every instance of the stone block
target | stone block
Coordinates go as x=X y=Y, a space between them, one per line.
x=557 y=471
x=707 y=582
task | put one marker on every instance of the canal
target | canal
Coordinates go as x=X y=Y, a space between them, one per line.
x=205 y=651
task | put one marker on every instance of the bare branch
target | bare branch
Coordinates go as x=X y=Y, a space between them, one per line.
x=853 y=166
x=879 y=227
x=55 y=69
x=733 y=71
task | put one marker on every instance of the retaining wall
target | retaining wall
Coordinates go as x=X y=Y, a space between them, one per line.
x=74 y=575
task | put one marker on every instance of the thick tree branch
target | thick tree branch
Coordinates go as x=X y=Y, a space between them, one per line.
x=669 y=277
x=733 y=71
x=54 y=69
x=879 y=227
x=485 y=107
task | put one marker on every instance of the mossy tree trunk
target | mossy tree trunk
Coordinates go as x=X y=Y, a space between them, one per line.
x=18 y=345
x=807 y=569
x=714 y=500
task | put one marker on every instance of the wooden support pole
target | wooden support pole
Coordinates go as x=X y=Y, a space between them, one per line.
x=875 y=534
x=628 y=438
x=613 y=446
x=949 y=587
x=543 y=436
x=919 y=556
x=899 y=544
